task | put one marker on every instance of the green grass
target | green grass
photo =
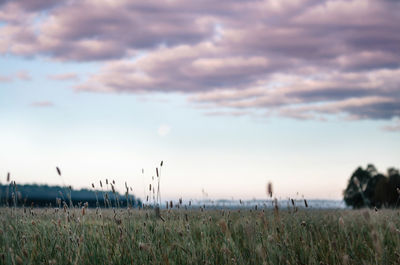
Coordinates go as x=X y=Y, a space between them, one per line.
x=50 y=236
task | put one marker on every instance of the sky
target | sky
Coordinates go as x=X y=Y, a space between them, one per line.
x=229 y=94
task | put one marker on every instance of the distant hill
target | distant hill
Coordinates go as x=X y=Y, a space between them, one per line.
x=44 y=195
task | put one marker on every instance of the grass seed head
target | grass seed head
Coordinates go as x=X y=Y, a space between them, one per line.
x=222 y=224
x=346 y=259
x=143 y=246
x=19 y=260
x=269 y=189
x=341 y=222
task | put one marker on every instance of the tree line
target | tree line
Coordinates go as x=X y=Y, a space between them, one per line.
x=44 y=195
x=370 y=188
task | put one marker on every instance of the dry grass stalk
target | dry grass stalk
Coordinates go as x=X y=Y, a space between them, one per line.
x=158 y=213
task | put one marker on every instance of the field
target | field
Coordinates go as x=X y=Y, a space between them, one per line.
x=198 y=236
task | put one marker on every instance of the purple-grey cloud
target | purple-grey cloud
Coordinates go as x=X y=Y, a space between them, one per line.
x=37 y=5
x=304 y=59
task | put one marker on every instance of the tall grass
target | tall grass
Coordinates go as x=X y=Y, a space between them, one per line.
x=184 y=234
x=133 y=236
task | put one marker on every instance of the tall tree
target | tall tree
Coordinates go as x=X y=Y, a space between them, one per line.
x=367 y=188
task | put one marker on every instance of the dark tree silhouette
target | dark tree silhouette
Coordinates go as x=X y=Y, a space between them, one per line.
x=43 y=195
x=369 y=188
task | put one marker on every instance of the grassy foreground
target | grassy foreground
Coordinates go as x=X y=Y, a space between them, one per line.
x=90 y=236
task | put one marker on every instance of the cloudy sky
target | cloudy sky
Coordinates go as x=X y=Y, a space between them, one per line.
x=230 y=94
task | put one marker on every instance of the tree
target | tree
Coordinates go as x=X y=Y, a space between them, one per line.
x=369 y=188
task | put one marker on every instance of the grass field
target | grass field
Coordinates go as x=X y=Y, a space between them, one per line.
x=194 y=236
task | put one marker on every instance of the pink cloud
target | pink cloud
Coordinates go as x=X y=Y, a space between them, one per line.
x=23 y=75
x=228 y=113
x=42 y=104
x=64 y=77
x=392 y=128
x=4 y=78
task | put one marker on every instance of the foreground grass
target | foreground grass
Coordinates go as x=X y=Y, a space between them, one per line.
x=90 y=236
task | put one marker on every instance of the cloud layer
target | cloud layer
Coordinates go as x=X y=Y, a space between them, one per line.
x=303 y=59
